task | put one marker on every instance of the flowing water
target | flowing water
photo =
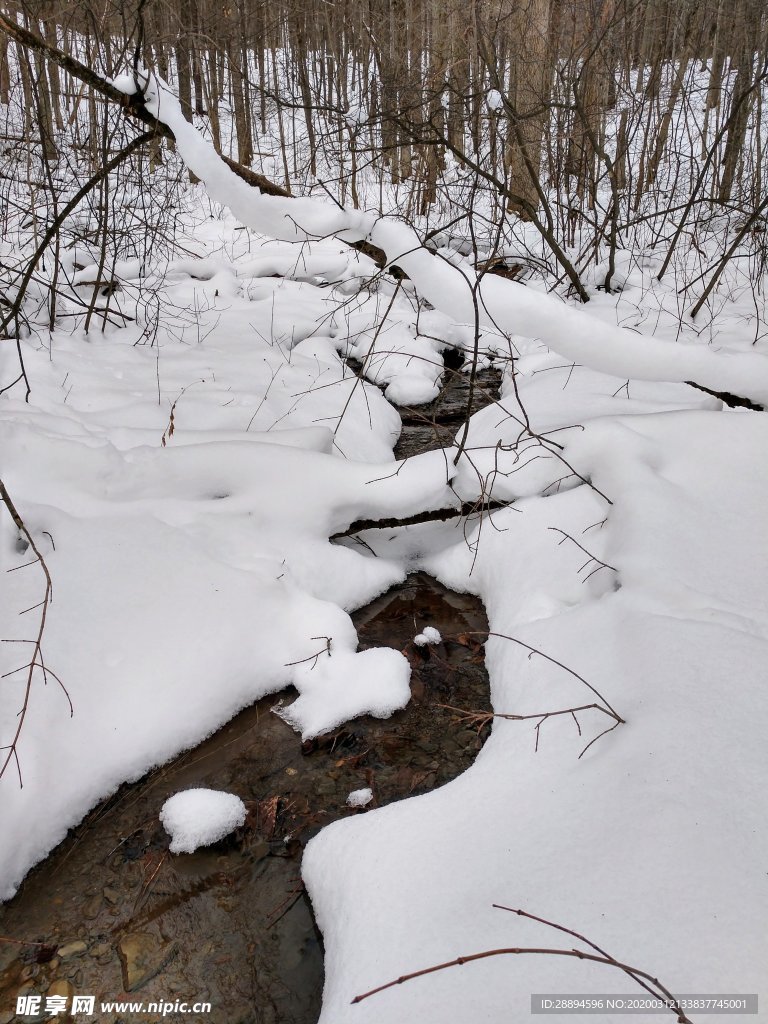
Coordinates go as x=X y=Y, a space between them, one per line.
x=230 y=924
x=116 y=916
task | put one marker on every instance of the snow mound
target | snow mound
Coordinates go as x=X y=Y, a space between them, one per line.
x=494 y=100
x=429 y=635
x=199 y=817
x=360 y=797
x=344 y=686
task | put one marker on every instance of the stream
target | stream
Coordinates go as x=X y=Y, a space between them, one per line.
x=116 y=916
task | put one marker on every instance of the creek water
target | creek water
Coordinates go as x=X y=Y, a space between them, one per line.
x=116 y=916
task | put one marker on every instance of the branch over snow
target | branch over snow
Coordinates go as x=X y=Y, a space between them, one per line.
x=36 y=660
x=502 y=304
x=132 y=105
x=439 y=515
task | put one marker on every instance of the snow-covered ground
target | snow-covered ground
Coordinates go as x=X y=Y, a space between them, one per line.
x=183 y=494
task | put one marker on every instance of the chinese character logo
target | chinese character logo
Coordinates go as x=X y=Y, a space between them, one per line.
x=28 y=1006
x=83 y=1004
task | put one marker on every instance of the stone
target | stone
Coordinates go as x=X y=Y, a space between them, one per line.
x=92 y=908
x=61 y=987
x=72 y=949
x=143 y=956
x=75 y=975
x=259 y=850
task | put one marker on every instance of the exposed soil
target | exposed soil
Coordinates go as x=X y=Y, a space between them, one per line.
x=117 y=912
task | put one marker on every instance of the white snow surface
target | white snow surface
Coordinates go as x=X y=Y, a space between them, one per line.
x=199 y=817
x=494 y=100
x=653 y=843
x=333 y=689
x=192 y=574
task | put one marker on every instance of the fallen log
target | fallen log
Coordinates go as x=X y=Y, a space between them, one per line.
x=439 y=515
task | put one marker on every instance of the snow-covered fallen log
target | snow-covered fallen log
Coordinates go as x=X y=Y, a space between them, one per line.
x=459 y=292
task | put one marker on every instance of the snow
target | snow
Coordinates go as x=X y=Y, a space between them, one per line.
x=500 y=304
x=200 y=817
x=192 y=570
x=195 y=574
x=428 y=635
x=360 y=797
x=336 y=687
x=494 y=100
x=652 y=844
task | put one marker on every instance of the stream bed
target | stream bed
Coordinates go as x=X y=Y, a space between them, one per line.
x=111 y=913
x=116 y=913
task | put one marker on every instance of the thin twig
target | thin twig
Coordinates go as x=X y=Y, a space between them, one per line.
x=36 y=660
x=599 y=957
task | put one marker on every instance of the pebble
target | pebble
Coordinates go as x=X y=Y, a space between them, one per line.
x=92 y=908
x=72 y=949
x=468 y=738
x=259 y=850
x=60 y=987
x=143 y=956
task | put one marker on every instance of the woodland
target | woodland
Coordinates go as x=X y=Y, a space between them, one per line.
x=308 y=308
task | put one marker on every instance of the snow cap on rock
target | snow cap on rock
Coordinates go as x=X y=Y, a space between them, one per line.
x=199 y=817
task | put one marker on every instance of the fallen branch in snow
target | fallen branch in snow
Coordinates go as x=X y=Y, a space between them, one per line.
x=467 y=508
x=480 y=719
x=133 y=106
x=647 y=981
x=36 y=660
x=733 y=401
x=462 y=639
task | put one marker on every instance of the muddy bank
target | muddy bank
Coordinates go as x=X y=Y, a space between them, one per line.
x=116 y=913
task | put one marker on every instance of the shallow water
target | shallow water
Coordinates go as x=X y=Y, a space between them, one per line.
x=230 y=924
x=119 y=917
x=426 y=427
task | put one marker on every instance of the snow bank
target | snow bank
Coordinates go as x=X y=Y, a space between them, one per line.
x=429 y=635
x=192 y=567
x=651 y=844
x=360 y=797
x=334 y=689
